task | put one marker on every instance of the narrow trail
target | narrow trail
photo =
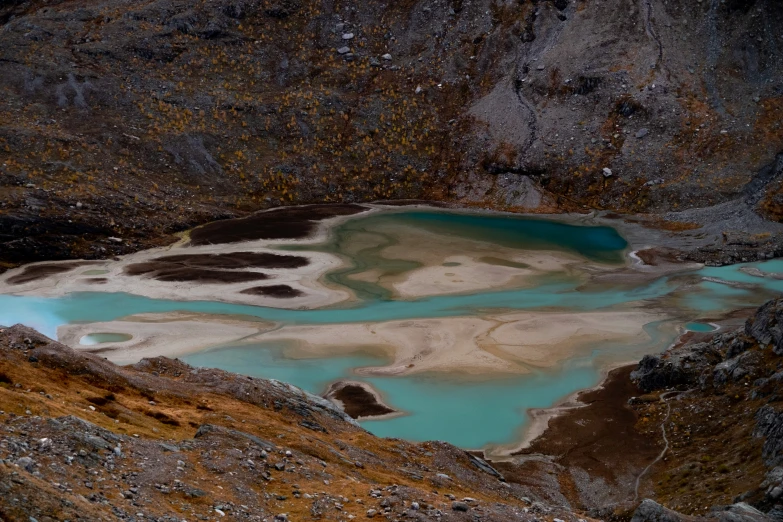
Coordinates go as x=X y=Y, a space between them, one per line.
x=650 y=30
x=713 y=54
x=665 y=440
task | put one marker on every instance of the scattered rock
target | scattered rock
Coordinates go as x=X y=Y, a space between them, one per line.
x=459 y=506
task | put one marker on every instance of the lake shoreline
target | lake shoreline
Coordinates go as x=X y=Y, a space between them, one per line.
x=539 y=307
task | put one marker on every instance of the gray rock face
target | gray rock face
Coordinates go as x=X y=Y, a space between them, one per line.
x=766 y=325
x=740 y=512
x=681 y=367
x=769 y=424
x=651 y=511
x=735 y=369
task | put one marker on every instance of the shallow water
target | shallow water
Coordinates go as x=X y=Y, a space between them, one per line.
x=470 y=412
x=100 y=338
x=699 y=327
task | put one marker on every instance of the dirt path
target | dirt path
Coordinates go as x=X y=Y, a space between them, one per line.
x=665 y=440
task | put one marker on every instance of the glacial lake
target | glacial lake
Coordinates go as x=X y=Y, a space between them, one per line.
x=471 y=411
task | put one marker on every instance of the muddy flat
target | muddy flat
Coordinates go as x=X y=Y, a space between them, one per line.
x=279 y=291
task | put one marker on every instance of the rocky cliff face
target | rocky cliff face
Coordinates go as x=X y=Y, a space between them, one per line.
x=135 y=120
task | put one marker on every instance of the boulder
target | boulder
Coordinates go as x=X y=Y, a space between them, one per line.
x=651 y=511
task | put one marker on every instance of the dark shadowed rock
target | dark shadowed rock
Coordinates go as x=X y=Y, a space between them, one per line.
x=769 y=424
x=766 y=325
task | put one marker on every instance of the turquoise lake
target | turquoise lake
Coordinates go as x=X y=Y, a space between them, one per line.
x=469 y=412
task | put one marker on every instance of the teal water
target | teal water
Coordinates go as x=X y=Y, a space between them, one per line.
x=361 y=242
x=699 y=327
x=100 y=338
x=470 y=413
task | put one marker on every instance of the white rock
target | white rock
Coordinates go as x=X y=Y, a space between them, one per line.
x=220 y=512
x=387 y=57
x=348 y=36
x=607 y=172
x=418 y=89
x=344 y=50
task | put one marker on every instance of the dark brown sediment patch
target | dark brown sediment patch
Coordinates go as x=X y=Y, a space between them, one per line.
x=284 y=223
x=280 y=291
x=171 y=273
x=599 y=438
x=358 y=400
x=234 y=260
x=35 y=272
x=657 y=255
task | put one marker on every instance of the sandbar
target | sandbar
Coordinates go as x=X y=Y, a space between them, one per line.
x=513 y=343
x=152 y=335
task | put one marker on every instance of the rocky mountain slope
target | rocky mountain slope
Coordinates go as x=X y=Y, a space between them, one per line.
x=719 y=406
x=123 y=122
x=84 y=439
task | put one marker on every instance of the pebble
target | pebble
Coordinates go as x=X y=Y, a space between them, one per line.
x=607 y=172
x=371 y=513
x=387 y=57
x=641 y=133
x=348 y=36
x=540 y=67
x=344 y=50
